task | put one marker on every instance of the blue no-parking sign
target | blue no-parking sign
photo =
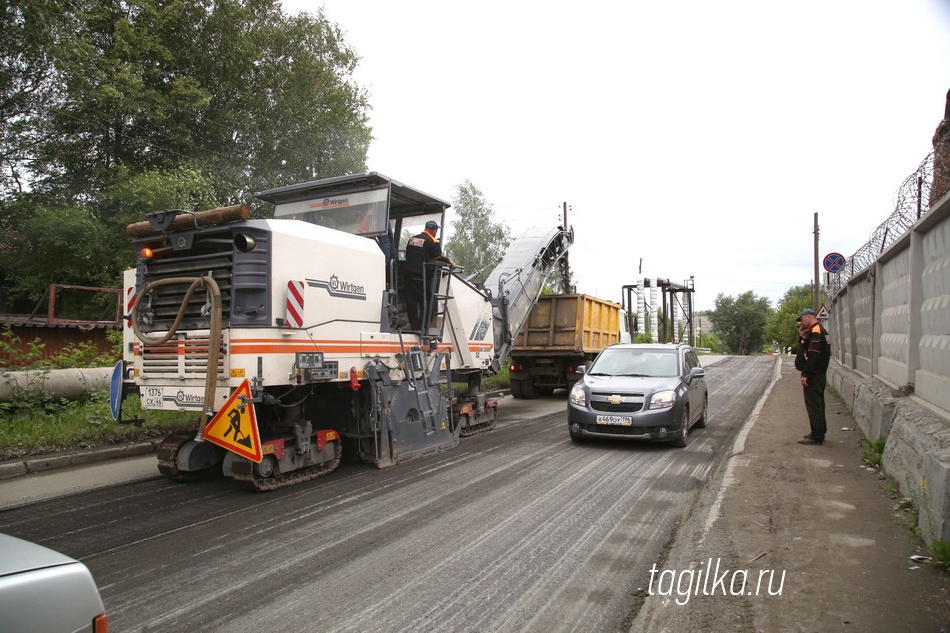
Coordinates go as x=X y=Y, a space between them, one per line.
x=833 y=262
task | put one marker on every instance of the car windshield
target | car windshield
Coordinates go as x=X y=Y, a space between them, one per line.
x=635 y=362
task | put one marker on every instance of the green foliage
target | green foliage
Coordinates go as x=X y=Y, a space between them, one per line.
x=34 y=422
x=562 y=279
x=115 y=337
x=781 y=328
x=499 y=380
x=56 y=244
x=643 y=337
x=10 y=346
x=872 y=452
x=30 y=394
x=82 y=355
x=31 y=32
x=33 y=398
x=73 y=355
x=130 y=196
x=478 y=242
x=112 y=110
x=256 y=96
x=81 y=425
x=710 y=341
x=941 y=552
x=740 y=322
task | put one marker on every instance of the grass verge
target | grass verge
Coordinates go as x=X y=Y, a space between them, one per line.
x=65 y=426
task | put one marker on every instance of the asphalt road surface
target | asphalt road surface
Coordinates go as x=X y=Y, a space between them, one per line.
x=518 y=529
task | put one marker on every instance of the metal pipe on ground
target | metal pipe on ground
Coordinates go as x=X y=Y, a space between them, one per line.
x=60 y=383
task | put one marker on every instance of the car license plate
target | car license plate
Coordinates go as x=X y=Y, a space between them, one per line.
x=614 y=420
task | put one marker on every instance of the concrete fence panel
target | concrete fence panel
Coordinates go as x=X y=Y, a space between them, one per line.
x=890 y=326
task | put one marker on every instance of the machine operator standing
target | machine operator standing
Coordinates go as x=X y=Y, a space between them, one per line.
x=420 y=251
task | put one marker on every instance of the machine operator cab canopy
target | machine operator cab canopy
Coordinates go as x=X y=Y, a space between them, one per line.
x=367 y=204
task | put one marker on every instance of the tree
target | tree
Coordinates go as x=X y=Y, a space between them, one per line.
x=114 y=108
x=255 y=97
x=781 y=327
x=740 y=322
x=30 y=34
x=562 y=279
x=478 y=242
x=710 y=341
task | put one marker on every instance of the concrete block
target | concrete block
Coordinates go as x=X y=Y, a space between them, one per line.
x=844 y=382
x=917 y=456
x=102 y=453
x=8 y=470
x=49 y=462
x=874 y=407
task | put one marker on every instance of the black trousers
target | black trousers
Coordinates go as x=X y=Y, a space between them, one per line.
x=815 y=404
x=415 y=301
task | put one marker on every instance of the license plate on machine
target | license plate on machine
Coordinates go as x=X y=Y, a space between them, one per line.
x=614 y=420
x=154 y=397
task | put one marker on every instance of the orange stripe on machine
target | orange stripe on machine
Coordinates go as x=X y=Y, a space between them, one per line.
x=263 y=346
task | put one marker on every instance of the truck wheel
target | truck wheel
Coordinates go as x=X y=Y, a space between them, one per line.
x=525 y=388
x=516 y=389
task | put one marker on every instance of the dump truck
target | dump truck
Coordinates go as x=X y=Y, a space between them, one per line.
x=563 y=332
x=288 y=339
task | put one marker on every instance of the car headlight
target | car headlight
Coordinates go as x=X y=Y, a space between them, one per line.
x=663 y=400
x=578 y=397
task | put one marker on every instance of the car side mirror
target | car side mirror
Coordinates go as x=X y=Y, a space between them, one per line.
x=697 y=372
x=582 y=370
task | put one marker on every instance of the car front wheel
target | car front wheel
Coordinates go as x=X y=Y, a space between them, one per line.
x=683 y=436
x=701 y=422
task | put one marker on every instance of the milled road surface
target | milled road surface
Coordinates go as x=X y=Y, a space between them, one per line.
x=518 y=529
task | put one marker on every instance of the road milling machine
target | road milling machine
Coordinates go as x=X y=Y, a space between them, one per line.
x=288 y=338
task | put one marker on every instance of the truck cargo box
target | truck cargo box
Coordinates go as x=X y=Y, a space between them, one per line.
x=572 y=324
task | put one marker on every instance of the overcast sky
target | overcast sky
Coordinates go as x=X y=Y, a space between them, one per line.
x=701 y=137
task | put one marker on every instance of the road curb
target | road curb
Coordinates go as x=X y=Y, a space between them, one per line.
x=40 y=463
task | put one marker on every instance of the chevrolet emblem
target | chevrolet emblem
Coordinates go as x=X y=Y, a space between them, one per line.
x=615 y=399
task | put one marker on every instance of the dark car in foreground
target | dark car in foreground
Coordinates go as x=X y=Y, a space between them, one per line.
x=44 y=591
x=640 y=392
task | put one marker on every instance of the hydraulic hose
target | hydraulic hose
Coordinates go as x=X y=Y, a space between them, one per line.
x=214 y=339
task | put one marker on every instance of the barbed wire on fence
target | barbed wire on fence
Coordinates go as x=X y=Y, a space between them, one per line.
x=912 y=203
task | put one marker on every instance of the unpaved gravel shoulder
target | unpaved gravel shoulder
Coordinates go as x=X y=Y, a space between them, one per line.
x=810 y=519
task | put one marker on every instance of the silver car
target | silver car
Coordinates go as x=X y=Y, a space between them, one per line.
x=640 y=392
x=43 y=590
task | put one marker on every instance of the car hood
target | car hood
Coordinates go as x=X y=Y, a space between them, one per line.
x=18 y=556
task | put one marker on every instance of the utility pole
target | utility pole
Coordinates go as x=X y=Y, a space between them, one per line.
x=814 y=302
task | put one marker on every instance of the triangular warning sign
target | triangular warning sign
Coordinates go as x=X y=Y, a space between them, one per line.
x=234 y=426
x=822 y=313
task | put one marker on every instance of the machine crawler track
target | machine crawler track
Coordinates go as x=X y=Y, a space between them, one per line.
x=168 y=459
x=469 y=431
x=252 y=481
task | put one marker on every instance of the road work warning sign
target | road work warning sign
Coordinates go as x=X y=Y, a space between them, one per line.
x=234 y=426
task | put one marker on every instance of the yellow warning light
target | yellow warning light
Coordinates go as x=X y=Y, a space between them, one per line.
x=146 y=253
